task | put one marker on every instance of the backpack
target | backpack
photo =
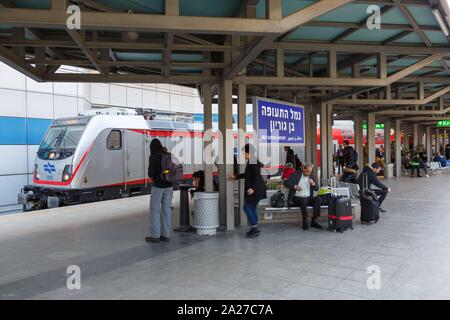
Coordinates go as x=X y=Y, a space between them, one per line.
x=171 y=170
x=278 y=200
x=298 y=163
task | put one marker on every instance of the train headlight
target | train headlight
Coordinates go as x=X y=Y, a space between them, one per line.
x=67 y=173
x=36 y=172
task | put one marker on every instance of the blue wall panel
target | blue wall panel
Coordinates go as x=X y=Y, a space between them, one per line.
x=22 y=131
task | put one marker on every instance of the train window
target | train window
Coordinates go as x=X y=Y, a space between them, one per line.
x=114 y=140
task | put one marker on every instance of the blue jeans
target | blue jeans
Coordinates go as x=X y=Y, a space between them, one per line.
x=251 y=210
x=160 y=212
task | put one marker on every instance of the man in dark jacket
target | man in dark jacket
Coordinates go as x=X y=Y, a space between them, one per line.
x=161 y=196
x=254 y=186
x=371 y=172
x=349 y=154
x=303 y=183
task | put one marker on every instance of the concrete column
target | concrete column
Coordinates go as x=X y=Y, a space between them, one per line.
x=371 y=138
x=429 y=141
x=326 y=168
x=437 y=141
x=226 y=217
x=387 y=141
x=308 y=136
x=313 y=141
x=415 y=133
x=357 y=119
x=207 y=126
x=398 y=150
x=242 y=129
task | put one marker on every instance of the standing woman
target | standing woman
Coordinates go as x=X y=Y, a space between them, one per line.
x=255 y=189
x=161 y=197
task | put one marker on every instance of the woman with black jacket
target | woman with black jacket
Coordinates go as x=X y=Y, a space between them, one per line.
x=161 y=197
x=255 y=189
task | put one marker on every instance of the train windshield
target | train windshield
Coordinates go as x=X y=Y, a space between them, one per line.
x=60 y=141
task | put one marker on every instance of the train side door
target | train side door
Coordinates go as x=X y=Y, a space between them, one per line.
x=134 y=160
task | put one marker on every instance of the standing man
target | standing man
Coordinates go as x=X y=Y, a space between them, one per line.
x=349 y=154
x=304 y=184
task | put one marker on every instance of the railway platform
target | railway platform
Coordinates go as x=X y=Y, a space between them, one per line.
x=106 y=241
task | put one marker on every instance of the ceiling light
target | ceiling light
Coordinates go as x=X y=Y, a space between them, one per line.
x=441 y=21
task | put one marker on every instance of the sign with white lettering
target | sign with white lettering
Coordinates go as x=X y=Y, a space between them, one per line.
x=279 y=121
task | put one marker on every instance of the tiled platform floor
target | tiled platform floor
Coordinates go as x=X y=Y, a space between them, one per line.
x=410 y=245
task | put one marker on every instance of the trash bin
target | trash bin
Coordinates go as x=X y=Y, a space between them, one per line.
x=389 y=171
x=206 y=216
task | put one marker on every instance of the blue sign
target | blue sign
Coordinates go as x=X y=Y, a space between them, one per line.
x=279 y=122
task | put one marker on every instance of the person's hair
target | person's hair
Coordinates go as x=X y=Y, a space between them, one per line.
x=346 y=142
x=308 y=165
x=248 y=148
x=375 y=165
x=200 y=175
x=156 y=146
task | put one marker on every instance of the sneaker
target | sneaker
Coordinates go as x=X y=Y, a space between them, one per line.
x=165 y=239
x=382 y=210
x=253 y=232
x=152 y=240
x=305 y=224
x=315 y=224
x=427 y=175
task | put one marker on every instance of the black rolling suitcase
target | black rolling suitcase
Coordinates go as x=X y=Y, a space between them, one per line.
x=340 y=216
x=370 y=209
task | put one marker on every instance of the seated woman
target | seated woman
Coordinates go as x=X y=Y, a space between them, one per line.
x=350 y=174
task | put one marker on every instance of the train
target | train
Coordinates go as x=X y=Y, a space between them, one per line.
x=101 y=157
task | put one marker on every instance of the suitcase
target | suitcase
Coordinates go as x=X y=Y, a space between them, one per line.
x=370 y=208
x=340 y=216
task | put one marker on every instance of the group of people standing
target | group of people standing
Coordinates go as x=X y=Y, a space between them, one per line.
x=298 y=178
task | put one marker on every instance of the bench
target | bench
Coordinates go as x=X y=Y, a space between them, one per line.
x=292 y=213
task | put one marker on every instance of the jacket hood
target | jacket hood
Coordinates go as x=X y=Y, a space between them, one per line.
x=156 y=146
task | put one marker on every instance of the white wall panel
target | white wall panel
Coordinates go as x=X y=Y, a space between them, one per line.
x=162 y=100
x=118 y=95
x=67 y=89
x=10 y=78
x=65 y=106
x=8 y=196
x=149 y=98
x=100 y=93
x=39 y=105
x=12 y=103
x=13 y=159
x=134 y=97
x=83 y=105
x=44 y=87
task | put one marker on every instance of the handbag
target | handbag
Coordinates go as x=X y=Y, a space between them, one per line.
x=278 y=200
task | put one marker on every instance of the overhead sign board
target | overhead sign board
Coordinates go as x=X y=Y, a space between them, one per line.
x=279 y=122
x=443 y=123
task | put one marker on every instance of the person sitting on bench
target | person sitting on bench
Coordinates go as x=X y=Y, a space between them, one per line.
x=302 y=184
x=372 y=171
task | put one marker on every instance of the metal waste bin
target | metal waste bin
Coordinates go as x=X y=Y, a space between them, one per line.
x=206 y=214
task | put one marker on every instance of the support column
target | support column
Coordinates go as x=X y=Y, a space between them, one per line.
x=371 y=138
x=387 y=141
x=429 y=141
x=226 y=217
x=242 y=129
x=313 y=141
x=359 y=148
x=415 y=134
x=326 y=168
x=308 y=136
x=207 y=126
x=398 y=149
x=438 y=141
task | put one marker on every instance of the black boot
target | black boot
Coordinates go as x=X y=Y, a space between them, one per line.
x=315 y=224
x=305 y=224
x=253 y=232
